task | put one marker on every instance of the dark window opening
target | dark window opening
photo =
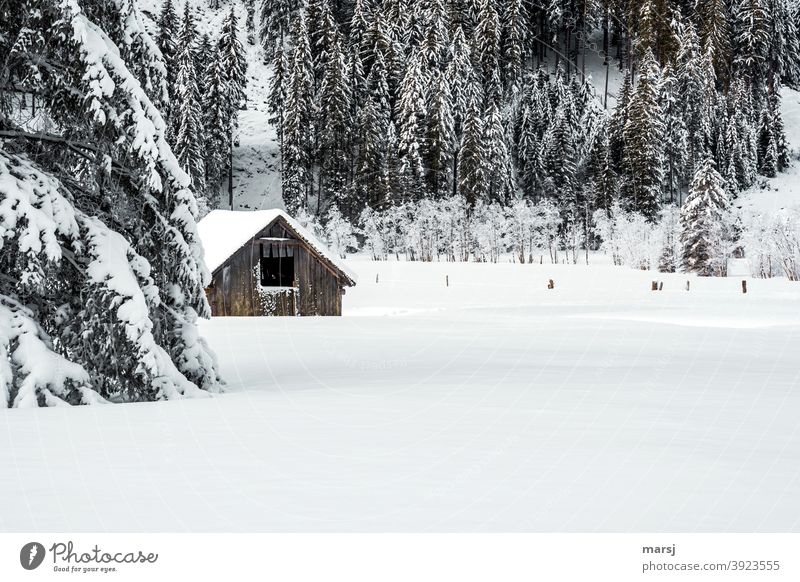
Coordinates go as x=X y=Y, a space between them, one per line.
x=277 y=271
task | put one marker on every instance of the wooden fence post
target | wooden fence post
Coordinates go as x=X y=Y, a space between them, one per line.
x=654 y=286
x=687 y=285
x=744 y=286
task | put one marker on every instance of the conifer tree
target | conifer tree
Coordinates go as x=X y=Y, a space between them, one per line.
x=437 y=34
x=784 y=55
x=767 y=144
x=233 y=55
x=498 y=158
x=168 y=28
x=514 y=37
x=618 y=122
x=360 y=25
x=473 y=170
x=216 y=122
x=189 y=139
x=752 y=38
x=202 y=57
x=644 y=135
x=333 y=118
x=559 y=157
x=460 y=75
x=250 y=23
x=689 y=95
x=601 y=182
x=298 y=119
x=529 y=152
x=487 y=50
x=779 y=131
x=440 y=138
x=276 y=18
x=103 y=274
x=373 y=179
x=277 y=91
x=715 y=35
x=705 y=223
x=676 y=136
x=411 y=121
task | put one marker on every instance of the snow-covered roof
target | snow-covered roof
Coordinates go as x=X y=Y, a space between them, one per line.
x=223 y=232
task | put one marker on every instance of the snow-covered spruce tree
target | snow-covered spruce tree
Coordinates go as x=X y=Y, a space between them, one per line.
x=372 y=182
x=137 y=47
x=752 y=39
x=487 y=50
x=360 y=25
x=202 y=57
x=217 y=122
x=437 y=34
x=277 y=90
x=440 y=138
x=276 y=18
x=528 y=152
x=785 y=46
x=189 y=137
x=644 y=146
x=767 y=144
x=739 y=166
x=616 y=129
x=706 y=230
x=298 y=116
x=250 y=21
x=676 y=137
x=501 y=178
x=774 y=102
x=334 y=110
x=168 y=28
x=715 y=35
x=693 y=81
x=233 y=55
x=102 y=272
x=513 y=46
x=600 y=181
x=378 y=39
x=358 y=82
x=411 y=125
x=473 y=170
x=460 y=74
x=558 y=157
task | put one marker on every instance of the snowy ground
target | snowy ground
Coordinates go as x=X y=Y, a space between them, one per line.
x=491 y=404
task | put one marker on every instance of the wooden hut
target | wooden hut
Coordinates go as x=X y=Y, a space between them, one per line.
x=266 y=263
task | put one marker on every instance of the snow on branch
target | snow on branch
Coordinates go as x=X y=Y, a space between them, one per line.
x=39 y=225
x=117 y=269
x=107 y=75
x=32 y=374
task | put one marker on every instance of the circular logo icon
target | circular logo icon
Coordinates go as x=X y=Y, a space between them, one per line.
x=31 y=555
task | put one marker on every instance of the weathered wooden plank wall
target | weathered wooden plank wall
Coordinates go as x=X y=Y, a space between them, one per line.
x=319 y=291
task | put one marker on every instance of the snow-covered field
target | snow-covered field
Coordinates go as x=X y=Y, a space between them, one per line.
x=491 y=404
